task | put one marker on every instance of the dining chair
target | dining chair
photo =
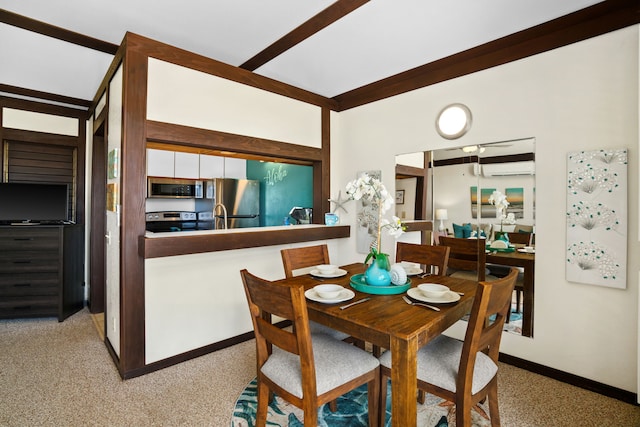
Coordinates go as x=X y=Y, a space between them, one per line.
x=464 y=372
x=520 y=238
x=467 y=258
x=306 y=370
x=296 y=259
x=425 y=255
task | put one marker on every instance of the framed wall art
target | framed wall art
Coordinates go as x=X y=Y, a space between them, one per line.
x=597 y=217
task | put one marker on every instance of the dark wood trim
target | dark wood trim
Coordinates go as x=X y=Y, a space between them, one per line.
x=221 y=141
x=509 y=158
x=328 y=16
x=183 y=357
x=177 y=244
x=133 y=190
x=220 y=345
x=575 y=380
x=39 y=107
x=104 y=85
x=165 y=52
x=40 y=137
x=98 y=223
x=45 y=29
x=47 y=96
x=419 y=225
x=404 y=171
x=322 y=194
x=590 y=22
x=81 y=157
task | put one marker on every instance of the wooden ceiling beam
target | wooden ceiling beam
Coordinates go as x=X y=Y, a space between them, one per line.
x=49 y=30
x=328 y=16
x=590 y=22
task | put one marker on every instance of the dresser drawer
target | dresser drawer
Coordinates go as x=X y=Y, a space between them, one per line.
x=29 y=284
x=29 y=266
x=28 y=306
x=29 y=239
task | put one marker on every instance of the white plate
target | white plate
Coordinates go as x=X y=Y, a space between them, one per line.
x=345 y=295
x=525 y=251
x=338 y=273
x=412 y=271
x=447 y=298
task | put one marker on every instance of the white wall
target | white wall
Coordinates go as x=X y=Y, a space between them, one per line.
x=580 y=97
x=195 y=300
x=192 y=98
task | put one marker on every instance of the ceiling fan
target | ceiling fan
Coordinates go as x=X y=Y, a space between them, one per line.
x=478 y=149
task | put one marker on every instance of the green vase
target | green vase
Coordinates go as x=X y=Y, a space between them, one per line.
x=377 y=276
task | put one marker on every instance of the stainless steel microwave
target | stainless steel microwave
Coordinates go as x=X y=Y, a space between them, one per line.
x=174 y=188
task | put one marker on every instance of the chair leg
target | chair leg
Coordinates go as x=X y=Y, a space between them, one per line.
x=373 y=394
x=382 y=405
x=493 y=403
x=377 y=351
x=310 y=410
x=421 y=396
x=264 y=395
x=333 y=405
x=518 y=296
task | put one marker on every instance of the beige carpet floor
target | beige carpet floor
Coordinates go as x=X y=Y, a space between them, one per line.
x=60 y=374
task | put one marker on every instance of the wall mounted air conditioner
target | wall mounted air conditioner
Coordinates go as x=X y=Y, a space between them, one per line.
x=509 y=169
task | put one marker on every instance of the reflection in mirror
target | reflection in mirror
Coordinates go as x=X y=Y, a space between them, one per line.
x=461 y=181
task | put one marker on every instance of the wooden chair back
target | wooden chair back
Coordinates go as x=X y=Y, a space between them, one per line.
x=483 y=335
x=467 y=255
x=308 y=256
x=425 y=255
x=520 y=238
x=268 y=298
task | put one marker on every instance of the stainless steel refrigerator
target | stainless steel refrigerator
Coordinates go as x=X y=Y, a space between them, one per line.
x=241 y=200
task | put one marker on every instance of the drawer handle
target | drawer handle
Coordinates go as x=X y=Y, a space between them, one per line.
x=22 y=285
x=23 y=238
x=22 y=262
x=22 y=307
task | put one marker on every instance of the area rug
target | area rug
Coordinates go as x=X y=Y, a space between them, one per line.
x=352 y=411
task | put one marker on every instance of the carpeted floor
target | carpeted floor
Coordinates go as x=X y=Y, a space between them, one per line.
x=60 y=374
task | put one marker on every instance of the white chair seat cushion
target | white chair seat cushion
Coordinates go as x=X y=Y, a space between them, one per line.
x=438 y=364
x=318 y=328
x=336 y=363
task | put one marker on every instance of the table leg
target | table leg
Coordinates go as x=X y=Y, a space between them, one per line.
x=527 y=301
x=403 y=382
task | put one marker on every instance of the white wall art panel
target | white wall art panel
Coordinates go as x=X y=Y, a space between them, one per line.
x=597 y=217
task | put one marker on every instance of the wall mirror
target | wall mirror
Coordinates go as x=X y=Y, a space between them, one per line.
x=460 y=181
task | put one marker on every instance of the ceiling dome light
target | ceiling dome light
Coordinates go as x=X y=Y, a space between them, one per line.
x=453 y=121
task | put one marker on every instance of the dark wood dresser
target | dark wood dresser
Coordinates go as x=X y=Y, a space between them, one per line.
x=41 y=271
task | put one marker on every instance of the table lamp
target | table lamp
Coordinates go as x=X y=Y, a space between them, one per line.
x=441 y=214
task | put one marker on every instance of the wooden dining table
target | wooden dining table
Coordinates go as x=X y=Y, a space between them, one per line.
x=528 y=262
x=389 y=322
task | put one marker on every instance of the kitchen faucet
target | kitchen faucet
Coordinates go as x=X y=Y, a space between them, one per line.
x=224 y=212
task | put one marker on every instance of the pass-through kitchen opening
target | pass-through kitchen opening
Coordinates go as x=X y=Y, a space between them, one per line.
x=260 y=194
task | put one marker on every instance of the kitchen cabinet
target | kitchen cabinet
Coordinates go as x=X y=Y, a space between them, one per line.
x=222 y=167
x=235 y=168
x=187 y=165
x=41 y=271
x=172 y=164
x=211 y=166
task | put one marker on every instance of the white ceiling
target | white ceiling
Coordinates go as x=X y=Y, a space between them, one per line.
x=377 y=40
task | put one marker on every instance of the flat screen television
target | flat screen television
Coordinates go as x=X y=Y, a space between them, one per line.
x=38 y=203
